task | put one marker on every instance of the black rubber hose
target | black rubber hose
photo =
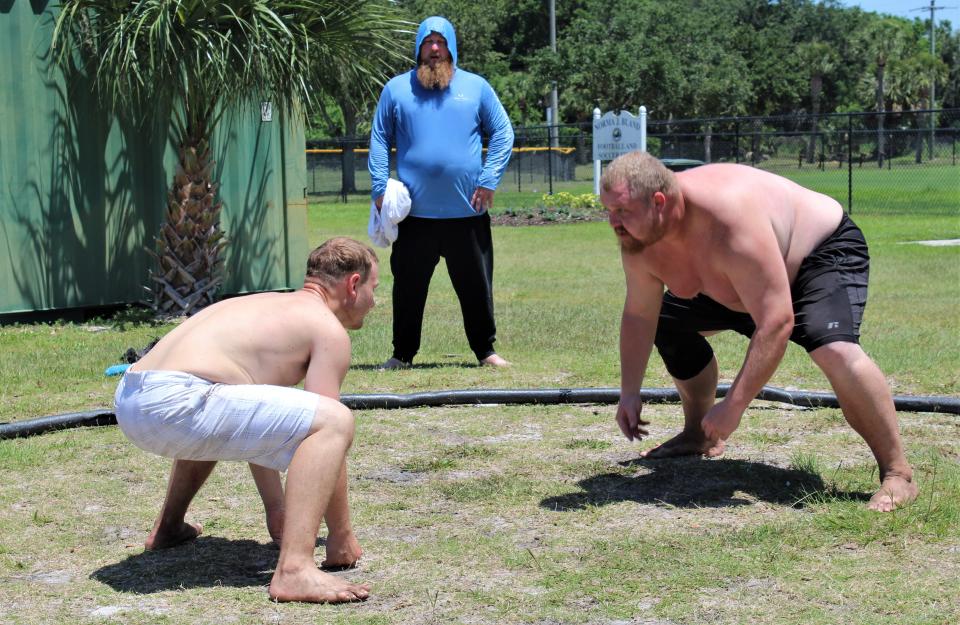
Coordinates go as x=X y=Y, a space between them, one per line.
x=386 y=401
x=56 y=422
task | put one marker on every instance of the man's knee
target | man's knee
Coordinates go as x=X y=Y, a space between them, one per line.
x=685 y=354
x=838 y=354
x=333 y=418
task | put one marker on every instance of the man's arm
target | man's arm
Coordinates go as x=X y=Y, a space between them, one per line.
x=755 y=267
x=638 y=328
x=381 y=138
x=329 y=362
x=497 y=124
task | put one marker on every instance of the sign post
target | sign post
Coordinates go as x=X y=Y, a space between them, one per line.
x=615 y=134
x=596 y=163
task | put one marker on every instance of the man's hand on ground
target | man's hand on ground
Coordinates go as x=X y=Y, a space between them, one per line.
x=721 y=421
x=628 y=416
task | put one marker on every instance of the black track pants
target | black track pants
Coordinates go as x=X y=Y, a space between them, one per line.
x=467 y=246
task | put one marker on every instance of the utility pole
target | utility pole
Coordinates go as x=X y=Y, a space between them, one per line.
x=554 y=107
x=933 y=52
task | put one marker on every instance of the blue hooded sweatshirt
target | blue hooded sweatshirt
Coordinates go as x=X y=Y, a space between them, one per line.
x=437 y=134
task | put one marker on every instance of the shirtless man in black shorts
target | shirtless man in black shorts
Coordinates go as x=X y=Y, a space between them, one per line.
x=743 y=249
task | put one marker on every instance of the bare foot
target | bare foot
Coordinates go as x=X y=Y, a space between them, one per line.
x=895 y=491
x=313 y=585
x=164 y=538
x=343 y=552
x=493 y=360
x=686 y=443
x=275 y=524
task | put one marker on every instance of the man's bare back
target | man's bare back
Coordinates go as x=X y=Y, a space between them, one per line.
x=290 y=331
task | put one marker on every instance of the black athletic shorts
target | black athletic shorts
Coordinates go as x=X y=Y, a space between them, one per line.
x=829 y=295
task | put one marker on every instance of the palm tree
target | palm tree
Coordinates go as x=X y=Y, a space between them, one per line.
x=912 y=81
x=205 y=57
x=883 y=41
x=819 y=59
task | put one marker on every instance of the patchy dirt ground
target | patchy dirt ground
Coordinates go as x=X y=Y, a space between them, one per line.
x=507 y=514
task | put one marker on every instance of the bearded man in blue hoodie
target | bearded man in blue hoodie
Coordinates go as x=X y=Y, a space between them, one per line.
x=435 y=116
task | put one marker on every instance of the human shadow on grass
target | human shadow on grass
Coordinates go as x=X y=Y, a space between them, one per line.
x=205 y=562
x=694 y=482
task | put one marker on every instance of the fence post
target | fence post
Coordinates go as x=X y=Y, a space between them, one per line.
x=849 y=164
x=707 y=142
x=736 y=141
x=343 y=168
x=550 y=168
x=518 y=167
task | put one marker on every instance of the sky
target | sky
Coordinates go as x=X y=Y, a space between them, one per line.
x=902 y=8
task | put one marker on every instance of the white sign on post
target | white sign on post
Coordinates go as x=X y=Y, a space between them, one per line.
x=615 y=134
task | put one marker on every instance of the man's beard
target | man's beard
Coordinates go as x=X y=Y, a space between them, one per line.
x=632 y=245
x=437 y=77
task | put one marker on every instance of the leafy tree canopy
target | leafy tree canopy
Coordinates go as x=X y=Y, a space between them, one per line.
x=696 y=58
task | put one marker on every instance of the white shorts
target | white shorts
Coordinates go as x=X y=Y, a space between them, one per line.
x=179 y=415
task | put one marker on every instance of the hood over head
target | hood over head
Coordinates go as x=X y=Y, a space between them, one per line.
x=441 y=26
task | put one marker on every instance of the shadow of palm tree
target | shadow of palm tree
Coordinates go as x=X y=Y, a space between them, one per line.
x=255 y=262
x=692 y=482
x=79 y=213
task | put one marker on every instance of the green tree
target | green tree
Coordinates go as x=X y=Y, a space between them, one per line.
x=819 y=59
x=948 y=49
x=881 y=41
x=204 y=58
x=498 y=39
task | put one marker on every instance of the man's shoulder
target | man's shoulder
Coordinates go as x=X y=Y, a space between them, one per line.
x=304 y=309
x=468 y=76
x=400 y=81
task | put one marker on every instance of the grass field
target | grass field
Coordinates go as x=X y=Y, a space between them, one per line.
x=516 y=514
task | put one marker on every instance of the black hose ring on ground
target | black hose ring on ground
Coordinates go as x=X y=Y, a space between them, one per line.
x=805 y=399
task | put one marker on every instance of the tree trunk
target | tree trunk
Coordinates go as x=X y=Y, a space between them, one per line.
x=189 y=268
x=918 y=148
x=816 y=86
x=880 y=138
x=348 y=177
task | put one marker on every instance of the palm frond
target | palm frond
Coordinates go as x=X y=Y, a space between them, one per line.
x=229 y=50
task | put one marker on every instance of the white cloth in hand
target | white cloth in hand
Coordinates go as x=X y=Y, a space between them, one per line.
x=394 y=209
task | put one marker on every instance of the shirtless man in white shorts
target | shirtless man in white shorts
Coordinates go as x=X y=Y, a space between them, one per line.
x=746 y=250
x=217 y=388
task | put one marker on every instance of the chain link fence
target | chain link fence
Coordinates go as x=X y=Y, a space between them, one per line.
x=902 y=162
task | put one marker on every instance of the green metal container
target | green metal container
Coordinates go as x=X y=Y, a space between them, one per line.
x=82 y=193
